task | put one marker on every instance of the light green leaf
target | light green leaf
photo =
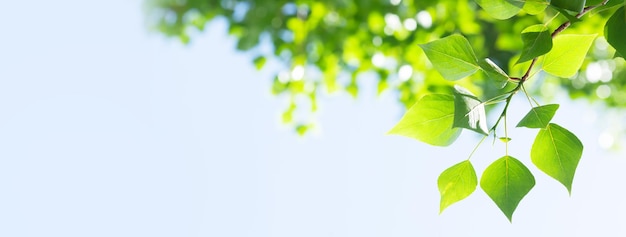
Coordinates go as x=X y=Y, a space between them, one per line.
x=535 y=7
x=571 y=5
x=430 y=121
x=507 y=181
x=456 y=183
x=469 y=112
x=615 y=31
x=556 y=152
x=567 y=54
x=501 y=9
x=494 y=72
x=259 y=62
x=537 y=41
x=539 y=117
x=452 y=56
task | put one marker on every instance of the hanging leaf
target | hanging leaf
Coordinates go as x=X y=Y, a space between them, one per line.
x=567 y=54
x=556 y=152
x=430 y=121
x=495 y=73
x=615 y=31
x=456 y=183
x=539 y=117
x=452 y=56
x=570 y=5
x=537 y=41
x=469 y=112
x=501 y=9
x=507 y=181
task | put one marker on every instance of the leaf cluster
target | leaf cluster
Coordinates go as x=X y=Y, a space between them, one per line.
x=328 y=47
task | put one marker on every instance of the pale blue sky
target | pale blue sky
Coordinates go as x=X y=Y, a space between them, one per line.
x=109 y=130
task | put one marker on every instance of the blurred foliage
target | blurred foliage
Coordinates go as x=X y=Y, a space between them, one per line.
x=329 y=46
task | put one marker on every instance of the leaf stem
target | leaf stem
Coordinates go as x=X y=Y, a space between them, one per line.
x=477 y=145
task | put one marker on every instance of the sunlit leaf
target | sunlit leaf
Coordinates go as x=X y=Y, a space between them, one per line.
x=537 y=41
x=430 y=121
x=535 y=7
x=571 y=5
x=452 y=56
x=506 y=181
x=494 y=72
x=556 y=152
x=501 y=9
x=567 y=54
x=615 y=31
x=456 y=183
x=539 y=117
x=469 y=112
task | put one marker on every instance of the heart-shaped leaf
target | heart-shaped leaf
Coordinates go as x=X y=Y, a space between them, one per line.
x=556 y=151
x=452 y=56
x=539 y=117
x=507 y=181
x=567 y=54
x=456 y=183
x=469 y=112
x=430 y=121
x=501 y=9
x=537 y=41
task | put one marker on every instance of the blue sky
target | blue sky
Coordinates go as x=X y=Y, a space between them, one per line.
x=107 y=129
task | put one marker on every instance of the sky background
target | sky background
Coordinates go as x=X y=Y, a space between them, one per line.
x=107 y=129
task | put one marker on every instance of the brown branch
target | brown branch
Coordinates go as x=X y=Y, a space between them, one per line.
x=558 y=30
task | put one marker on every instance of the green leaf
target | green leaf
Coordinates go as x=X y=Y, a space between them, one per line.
x=539 y=117
x=537 y=41
x=571 y=5
x=259 y=62
x=456 y=183
x=507 y=181
x=501 y=9
x=494 y=72
x=556 y=152
x=535 y=7
x=615 y=31
x=430 y=121
x=469 y=112
x=567 y=14
x=567 y=55
x=452 y=56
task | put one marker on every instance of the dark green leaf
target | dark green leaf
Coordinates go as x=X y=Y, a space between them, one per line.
x=570 y=5
x=567 y=14
x=456 y=183
x=556 y=151
x=567 y=54
x=501 y=9
x=469 y=112
x=495 y=73
x=537 y=41
x=430 y=121
x=539 y=117
x=452 y=56
x=615 y=31
x=507 y=181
